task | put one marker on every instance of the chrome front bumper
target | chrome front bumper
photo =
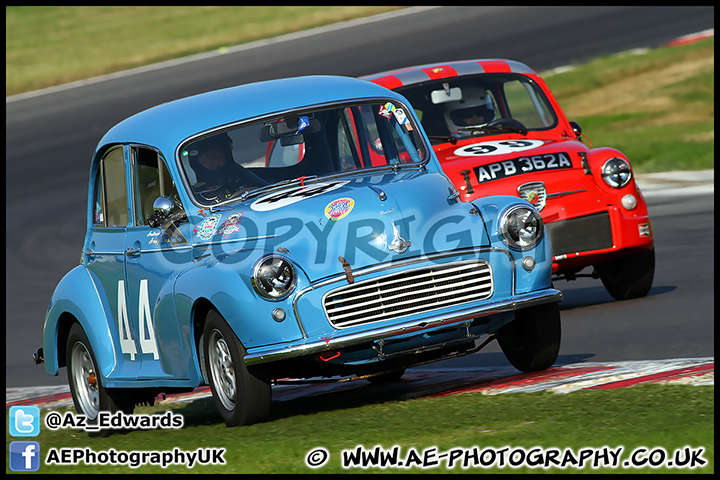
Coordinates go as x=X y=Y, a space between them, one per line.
x=275 y=353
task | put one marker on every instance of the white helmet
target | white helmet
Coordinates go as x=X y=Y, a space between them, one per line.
x=475 y=108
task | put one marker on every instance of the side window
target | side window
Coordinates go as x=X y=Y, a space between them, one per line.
x=526 y=106
x=151 y=180
x=99 y=199
x=112 y=185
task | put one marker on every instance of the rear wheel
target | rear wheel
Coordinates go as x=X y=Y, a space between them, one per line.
x=628 y=277
x=240 y=396
x=532 y=341
x=88 y=393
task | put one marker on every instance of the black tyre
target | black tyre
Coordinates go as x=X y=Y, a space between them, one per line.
x=532 y=341
x=241 y=397
x=89 y=395
x=628 y=277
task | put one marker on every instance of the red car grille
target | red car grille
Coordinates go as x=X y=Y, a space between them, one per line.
x=592 y=232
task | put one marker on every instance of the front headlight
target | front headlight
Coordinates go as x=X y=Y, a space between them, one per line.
x=616 y=172
x=521 y=227
x=273 y=277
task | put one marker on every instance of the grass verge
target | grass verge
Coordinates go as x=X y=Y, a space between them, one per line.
x=46 y=46
x=656 y=106
x=663 y=420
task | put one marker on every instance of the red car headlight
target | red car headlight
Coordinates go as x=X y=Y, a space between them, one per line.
x=616 y=172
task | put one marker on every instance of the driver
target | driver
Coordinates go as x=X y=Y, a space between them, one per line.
x=475 y=108
x=218 y=176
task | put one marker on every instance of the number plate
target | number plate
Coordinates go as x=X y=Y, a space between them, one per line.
x=518 y=166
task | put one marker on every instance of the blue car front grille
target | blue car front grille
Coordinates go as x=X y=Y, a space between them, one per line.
x=410 y=292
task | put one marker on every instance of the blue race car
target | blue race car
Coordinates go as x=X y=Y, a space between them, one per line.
x=293 y=228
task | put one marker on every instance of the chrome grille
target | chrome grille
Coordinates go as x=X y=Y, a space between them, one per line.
x=534 y=192
x=410 y=292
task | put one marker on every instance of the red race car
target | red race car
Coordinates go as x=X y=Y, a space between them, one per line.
x=498 y=130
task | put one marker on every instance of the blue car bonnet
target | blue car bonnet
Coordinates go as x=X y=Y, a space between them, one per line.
x=366 y=220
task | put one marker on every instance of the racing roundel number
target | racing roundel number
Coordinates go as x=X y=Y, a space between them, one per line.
x=288 y=197
x=497 y=147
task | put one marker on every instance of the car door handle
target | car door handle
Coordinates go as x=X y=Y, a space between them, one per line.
x=89 y=252
x=132 y=252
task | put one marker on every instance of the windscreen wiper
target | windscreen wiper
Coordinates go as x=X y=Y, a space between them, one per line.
x=443 y=139
x=495 y=128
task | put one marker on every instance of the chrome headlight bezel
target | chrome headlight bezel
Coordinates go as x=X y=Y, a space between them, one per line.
x=616 y=172
x=521 y=227
x=273 y=277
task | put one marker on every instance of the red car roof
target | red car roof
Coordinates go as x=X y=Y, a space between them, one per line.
x=407 y=76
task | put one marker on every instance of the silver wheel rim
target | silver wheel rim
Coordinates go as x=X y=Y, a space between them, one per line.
x=85 y=380
x=222 y=370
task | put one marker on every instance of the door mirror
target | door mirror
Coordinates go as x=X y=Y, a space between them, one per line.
x=166 y=211
x=576 y=128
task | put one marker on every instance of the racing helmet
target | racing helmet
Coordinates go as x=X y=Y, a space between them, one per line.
x=221 y=142
x=475 y=108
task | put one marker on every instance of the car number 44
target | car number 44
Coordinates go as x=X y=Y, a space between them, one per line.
x=148 y=344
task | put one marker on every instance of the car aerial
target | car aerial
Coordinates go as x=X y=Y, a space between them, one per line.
x=497 y=129
x=293 y=228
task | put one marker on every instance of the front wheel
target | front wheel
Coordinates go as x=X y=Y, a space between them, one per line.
x=88 y=393
x=241 y=397
x=532 y=341
x=628 y=277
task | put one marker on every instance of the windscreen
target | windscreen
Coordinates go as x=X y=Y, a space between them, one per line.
x=452 y=106
x=300 y=146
